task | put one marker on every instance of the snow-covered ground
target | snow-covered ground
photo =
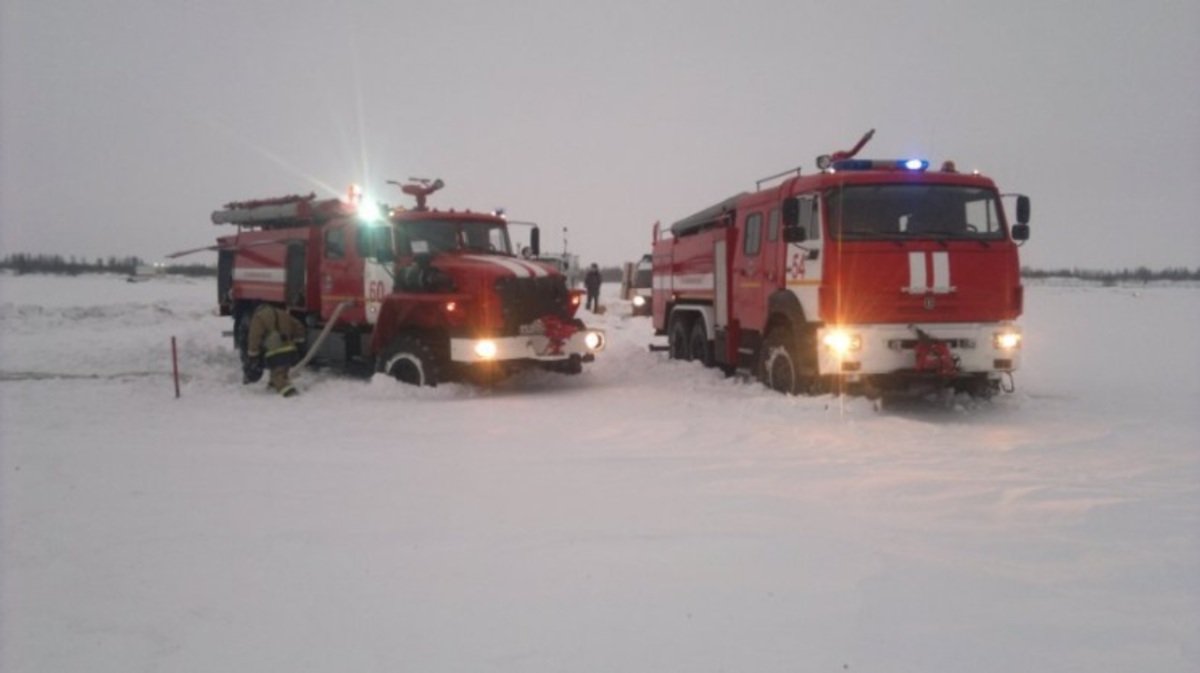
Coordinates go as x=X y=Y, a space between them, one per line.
x=647 y=515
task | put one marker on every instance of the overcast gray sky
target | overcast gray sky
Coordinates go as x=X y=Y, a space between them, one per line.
x=124 y=124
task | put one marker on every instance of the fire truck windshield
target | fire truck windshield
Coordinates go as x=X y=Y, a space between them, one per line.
x=414 y=237
x=375 y=243
x=911 y=211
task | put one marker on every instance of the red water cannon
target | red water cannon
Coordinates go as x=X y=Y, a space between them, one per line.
x=419 y=188
x=827 y=160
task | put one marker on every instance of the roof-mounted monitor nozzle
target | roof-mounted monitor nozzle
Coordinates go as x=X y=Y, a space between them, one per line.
x=419 y=188
x=826 y=160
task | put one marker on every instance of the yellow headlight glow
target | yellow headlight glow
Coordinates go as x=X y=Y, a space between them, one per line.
x=485 y=349
x=593 y=340
x=1007 y=341
x=842 y=342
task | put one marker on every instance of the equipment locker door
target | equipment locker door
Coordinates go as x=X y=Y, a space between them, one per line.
x=749 y=273
x=295 y=275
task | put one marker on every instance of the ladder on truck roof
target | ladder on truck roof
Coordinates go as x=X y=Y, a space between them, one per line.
x=282 y=212
x=709 y=217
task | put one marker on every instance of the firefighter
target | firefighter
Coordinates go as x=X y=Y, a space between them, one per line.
x=275 y=331
x=591 y=282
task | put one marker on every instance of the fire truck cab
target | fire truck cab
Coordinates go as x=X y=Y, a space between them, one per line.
x=872 y=276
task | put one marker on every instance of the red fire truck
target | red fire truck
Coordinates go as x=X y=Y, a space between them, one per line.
x=421 y=294
x=867 y=276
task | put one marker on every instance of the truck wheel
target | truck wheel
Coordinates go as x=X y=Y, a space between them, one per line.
x=698 y=344
x=410 y=360
x=782 y=367
x=679 y=338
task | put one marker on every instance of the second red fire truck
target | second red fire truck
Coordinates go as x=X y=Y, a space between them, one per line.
x=870 y=276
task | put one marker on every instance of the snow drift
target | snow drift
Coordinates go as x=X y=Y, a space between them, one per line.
x=647 y=515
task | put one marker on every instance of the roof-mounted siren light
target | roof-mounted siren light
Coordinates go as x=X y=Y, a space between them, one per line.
x=419 y=188
x=911 y=165
x=367 y=209
x=826 y=161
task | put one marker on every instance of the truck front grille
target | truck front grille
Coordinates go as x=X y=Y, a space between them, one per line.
x=523 y=300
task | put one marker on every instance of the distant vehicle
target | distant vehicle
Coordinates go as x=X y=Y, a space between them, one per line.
x=871 y=276
x=637 y=285
x=144 y=272
x=566 y=263
x=420 y=294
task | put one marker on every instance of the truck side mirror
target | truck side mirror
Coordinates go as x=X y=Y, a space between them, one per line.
x=535 y=242
x=1022 y=209
x=791 y=213
x=795 y=234
x=1020 y=232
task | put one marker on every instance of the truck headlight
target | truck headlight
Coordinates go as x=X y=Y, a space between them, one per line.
x=593 y=340
x=842 y=342
x=485 y=349
x=1008 y=340
x=639 y=301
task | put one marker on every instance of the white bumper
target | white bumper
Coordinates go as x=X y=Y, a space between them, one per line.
x=527 y=347
x=888 y=349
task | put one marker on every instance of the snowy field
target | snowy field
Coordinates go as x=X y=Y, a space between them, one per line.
x=647 y=515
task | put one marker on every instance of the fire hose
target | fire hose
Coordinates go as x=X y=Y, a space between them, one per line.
x=316 y=346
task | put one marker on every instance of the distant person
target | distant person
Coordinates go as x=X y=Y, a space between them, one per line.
x=591 y=282
x=274 y=330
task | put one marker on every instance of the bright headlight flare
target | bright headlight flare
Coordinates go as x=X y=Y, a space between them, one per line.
x=485 y=349
x=593 y=340
x=639 y=301
x=369 y=211
x=1006 y=341
x=842 y=342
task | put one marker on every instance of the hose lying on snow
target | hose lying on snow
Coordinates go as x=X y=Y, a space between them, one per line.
x=316 y=346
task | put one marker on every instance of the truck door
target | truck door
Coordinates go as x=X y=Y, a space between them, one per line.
x=377 y=250
x=803 y=256
x=341 y=274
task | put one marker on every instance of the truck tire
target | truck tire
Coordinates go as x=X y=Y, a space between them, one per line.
x=679 y=338
x=410 y=360
x=786 y=364
x=698 y=344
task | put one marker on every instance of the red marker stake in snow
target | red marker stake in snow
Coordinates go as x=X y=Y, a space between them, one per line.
x=175 y=366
